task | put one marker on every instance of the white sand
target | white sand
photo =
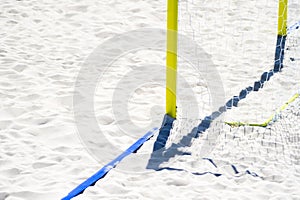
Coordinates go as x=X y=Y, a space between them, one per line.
x=45 y=43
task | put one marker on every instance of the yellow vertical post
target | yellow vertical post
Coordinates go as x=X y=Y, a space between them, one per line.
x=171 y=60
x=281 y=34
x=282 y=17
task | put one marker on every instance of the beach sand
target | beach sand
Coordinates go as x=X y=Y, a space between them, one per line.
x=43 y=155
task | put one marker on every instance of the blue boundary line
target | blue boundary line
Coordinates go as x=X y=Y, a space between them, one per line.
x=104 y=170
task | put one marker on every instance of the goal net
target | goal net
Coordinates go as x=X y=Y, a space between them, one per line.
x=257 y=126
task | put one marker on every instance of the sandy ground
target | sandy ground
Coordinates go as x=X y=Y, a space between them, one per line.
x=44 y=44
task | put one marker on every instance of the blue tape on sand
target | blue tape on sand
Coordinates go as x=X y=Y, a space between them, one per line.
x=102 y=172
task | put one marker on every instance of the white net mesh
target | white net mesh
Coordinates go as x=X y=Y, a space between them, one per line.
x=242 y=49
